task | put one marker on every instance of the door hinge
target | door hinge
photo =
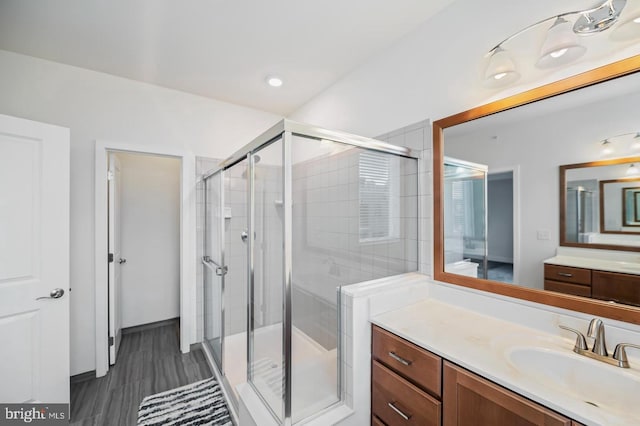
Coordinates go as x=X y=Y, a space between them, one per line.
x=110 y=257
x=111 y=342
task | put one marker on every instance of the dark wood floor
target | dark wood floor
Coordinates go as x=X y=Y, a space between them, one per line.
x=149 y=362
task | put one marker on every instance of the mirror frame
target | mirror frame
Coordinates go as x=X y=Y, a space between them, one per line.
x=575 y=303
x=563 y=204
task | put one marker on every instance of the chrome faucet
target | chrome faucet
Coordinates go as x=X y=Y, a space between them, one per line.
x=599 y=350
x=596 y=332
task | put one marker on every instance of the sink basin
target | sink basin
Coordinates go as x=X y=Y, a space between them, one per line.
x=598 y=384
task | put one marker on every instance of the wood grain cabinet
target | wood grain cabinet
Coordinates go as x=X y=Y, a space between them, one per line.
x=470 y=400
x=406 y=382
x=609 y=286
x=567 y=280
x=412 y=386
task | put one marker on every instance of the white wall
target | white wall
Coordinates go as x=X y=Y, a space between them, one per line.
x=100 y=106
x=500 y=219
x=150 y=225
x=435 y=70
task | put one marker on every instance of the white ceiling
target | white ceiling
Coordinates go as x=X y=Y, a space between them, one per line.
x=221 y=49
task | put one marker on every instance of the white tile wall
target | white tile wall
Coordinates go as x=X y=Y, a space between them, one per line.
x=418 y=137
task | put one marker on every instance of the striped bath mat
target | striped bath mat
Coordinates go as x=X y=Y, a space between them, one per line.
x=200 y=403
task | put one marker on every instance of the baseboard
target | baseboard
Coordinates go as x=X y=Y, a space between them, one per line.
x=83 y=377
x=151 y=325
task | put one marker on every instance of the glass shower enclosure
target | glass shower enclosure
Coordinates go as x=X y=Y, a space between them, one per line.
x=279 y=213
x=465 y=225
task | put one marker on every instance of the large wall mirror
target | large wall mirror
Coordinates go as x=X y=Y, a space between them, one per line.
x=499 y=210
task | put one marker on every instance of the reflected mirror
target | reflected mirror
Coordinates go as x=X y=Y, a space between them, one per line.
x=501 y=212
x=599 y=208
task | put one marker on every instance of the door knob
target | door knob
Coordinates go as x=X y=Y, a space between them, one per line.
x=122 y=260
x=56 y=293
x=244 y=236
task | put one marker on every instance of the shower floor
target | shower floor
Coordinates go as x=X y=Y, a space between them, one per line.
x=314 y=377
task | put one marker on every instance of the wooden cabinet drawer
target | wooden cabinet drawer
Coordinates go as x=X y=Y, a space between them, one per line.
x=568 y=288
x=623 y=288
x=567 y=274
x=414 y=363
x=397 y=402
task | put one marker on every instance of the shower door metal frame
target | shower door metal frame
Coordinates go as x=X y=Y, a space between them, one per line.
x=218 y=269
x=285 y=130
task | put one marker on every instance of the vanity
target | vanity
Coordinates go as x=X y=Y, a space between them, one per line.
x=597 y=278
x=434 y=363
x=494 y=358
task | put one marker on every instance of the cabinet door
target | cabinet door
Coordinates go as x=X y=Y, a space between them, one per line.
x=622 y=288
x=470 y=400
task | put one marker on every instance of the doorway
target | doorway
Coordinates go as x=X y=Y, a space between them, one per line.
x=143 y=243
x=140 y=303
x=500 y=247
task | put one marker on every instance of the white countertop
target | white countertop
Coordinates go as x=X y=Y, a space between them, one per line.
x=595 y=263
x=479 y=343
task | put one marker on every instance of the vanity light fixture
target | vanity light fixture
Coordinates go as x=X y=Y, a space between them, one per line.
x=561 y=44
x=599 y=18
x=501 y=69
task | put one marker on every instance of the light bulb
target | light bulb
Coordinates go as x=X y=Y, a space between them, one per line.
x=500 y=75
x=558 y=53
x=274 y=81
x=637 y=20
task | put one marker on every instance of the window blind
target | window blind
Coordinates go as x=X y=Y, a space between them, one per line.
x=376 y=196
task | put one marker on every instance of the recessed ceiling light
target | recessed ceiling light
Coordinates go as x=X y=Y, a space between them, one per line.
x=274 y=81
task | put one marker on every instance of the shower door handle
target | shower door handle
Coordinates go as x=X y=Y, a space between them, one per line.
x=244 y=236
x=218 y=269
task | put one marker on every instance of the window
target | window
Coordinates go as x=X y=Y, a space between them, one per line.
x=379 y=197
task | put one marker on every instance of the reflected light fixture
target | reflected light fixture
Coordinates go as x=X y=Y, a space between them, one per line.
x=632 y=170
x=607 y=147
x=636 y=142
x=560 y=46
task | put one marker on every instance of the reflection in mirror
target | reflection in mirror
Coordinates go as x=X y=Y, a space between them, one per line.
x=465 y=242
x=599 y=206
x=631 y=206
x=529 y=144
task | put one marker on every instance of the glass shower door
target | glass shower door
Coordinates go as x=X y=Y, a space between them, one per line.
x=234 y=312
x=214 y=270
x=267 y=275
x=465 y=218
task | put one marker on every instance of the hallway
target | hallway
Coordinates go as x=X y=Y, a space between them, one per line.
x=149 y=362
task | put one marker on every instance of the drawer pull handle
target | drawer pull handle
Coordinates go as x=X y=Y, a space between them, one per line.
x=399 y=359
x=392 y=405
x=565 y=274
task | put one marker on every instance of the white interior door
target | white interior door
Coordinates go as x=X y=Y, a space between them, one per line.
x=34 y=262
x=116 y=261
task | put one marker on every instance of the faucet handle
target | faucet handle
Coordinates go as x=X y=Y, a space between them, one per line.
x=581 y=342
x=620 y=354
